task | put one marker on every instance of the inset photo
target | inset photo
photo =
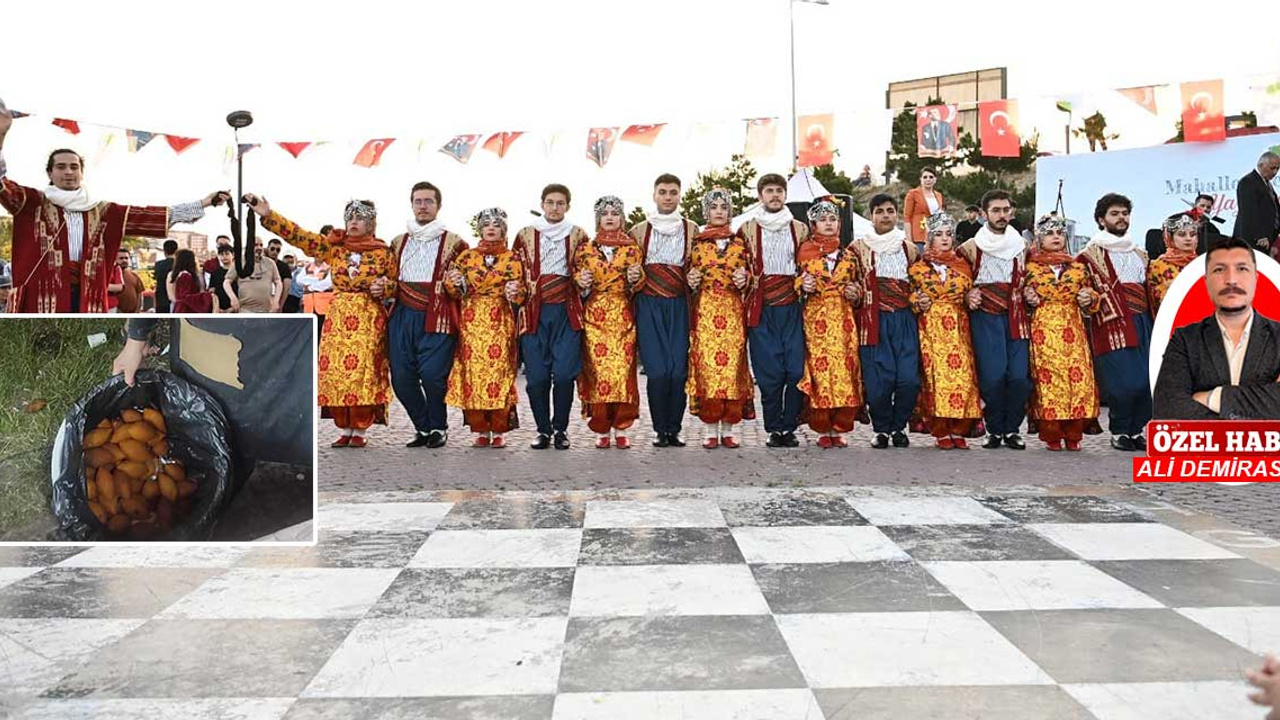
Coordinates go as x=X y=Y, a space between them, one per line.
x=187 y=429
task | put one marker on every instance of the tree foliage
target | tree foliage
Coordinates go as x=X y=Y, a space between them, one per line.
x=738 y=178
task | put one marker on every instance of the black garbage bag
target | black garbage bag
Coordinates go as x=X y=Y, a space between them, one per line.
x=198 y=435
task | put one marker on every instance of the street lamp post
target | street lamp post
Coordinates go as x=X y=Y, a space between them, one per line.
x=791 y=21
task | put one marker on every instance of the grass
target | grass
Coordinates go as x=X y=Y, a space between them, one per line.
x=47 y=360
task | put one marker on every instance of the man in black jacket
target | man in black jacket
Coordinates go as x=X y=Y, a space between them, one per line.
x=1258 y=218
x=1225 y=367
x=161 y=271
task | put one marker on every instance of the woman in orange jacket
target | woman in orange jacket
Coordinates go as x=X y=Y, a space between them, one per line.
x=920 y=203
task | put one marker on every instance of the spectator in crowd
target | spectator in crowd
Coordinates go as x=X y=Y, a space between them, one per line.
x=293 y=301
x=1258 y=213
x=6 y=288
x=864 y=179
x=227 y=302
x=161 y=273
x=1210 y=234
x=186 y=285
x=115 y=285
x=4 y=268
x=283 y=270
x=131 y=288
x=920 y=203
x=967 y=228
x=257 y=292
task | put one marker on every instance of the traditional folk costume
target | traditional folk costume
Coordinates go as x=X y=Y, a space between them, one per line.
x=1162 y=271
x=832 y=380
x=1001 y=329
x=949 y=393
x=607 y=387
x=423 y=328
x=550 y=323
x=1065 y=401
x=65 y=243
x=889 y=341
x=662 y=319
x=1120 y=334
x=354 y=374
x=483 y=380
x=719 y=385
x=775 y=327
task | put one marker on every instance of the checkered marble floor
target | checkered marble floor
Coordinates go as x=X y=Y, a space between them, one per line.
x=769 y=604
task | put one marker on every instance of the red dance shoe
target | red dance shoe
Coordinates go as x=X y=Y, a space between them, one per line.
x=959 y=443
x=343 y=441
x=730 y=442
x=357 y=441
x=711 y=443
x=621 y=442
x=603 y=442
x=825 y=441
x=1073 y=445
x=498 y=442
x=481 y=441
x=1053 y=445
x=839 y=441
x=946 y=443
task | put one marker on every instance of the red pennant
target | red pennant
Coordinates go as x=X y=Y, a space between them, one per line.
x=371 y=153
x=1203 y=119
x=642 y=134
x=1143 y=96
x=998 y=128
x=600 y=144
x=294 y=148
x=500 y=143
x=180 y=144
x=70 y=126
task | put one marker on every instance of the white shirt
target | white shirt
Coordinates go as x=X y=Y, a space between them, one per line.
x=554 y=256
x=994 y=270
x=1129 y=266
x=891 y=266
x=932 y=202
x=418 y=263
x=779 y=251
x=1235 y=358
x=665 y=249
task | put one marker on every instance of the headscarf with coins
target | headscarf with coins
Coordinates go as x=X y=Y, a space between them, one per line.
x=1047 y=224
x=935 y=224
x=717 y=232
x=492 y=216
x=1183 y=221
x=362 y=209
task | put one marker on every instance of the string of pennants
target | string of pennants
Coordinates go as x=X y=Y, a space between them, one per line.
x=937 y=131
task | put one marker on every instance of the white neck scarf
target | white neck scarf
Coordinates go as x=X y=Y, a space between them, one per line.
x=666 y=224
x=1006 y=246
x=70 y=200
x=887 y=244
x=1112 y=243
x=553 y=232
x=426 y=233
x=774 y=222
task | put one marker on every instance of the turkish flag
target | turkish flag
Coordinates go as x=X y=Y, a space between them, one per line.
x=70 y=126
x=600 y=144
x=371 y=153
x=816 y=142
x=1144 y=96
x=998 y=128
x=762 y=137
x=500 y=143
x=642 y=134
x=294 y=148
x=1203 y=119
x=180 y=144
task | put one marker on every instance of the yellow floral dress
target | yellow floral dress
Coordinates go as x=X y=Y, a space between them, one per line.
x=719 y=376
x=1160 y=275
x=353 y=368
x=949 y=377
x=607 y=387
x=832 y=373
x=1061 y=359
x=483 y=377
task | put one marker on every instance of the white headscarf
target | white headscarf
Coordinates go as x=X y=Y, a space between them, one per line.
x=886 y=244
x=553 y=232
x=1006 y=247
x=1111 y=243
x=774 y=221
x=426 y=233
x=666 y=224
x=70 y=200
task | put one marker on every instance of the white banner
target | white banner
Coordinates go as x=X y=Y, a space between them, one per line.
x=1160 y=180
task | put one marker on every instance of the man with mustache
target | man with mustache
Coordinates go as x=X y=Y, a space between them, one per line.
x=1227 y=365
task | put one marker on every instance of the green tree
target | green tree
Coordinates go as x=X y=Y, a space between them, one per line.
x=904 y=162
x=636 y=216
x=836 y=182
x=1095 y=131
x=1000 y=167
x=6 y=238
x=738 y=177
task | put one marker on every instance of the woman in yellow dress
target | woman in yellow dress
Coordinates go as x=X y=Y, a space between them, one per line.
x=719 y=384
x=488 y=279
x=828 y=282
x=1065 y=400
x=354 y=374
x=940 y=280
x=1181 y=237
x=608 y=269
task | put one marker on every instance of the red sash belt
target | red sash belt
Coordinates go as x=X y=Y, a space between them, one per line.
x=664 y=281
x=1134 y=296
x=779 y=290
x=894 y=294
x=555 y=289
x=415 y=295
x=995 y=297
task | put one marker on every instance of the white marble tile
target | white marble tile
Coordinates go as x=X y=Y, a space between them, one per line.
x=1167 y=701
x=925 y=511
x=816 y=544
x=905 y=648
x=1255 y=628
x=703 y=705
x=160 y=709
x=381 y=517
x=420 y=658
x=653 y=514
x=499 y=548
x=11 y=575
x=284 y=594
x=666 y=590
x=159 y=555
x=1130 y=541
x=1036 y=585
x=35 y=654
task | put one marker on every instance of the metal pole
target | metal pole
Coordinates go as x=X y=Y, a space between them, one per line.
x=1068 y=133
x=239 y=178
x=791 y=20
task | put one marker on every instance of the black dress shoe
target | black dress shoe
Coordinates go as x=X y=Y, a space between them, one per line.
x=1139 y=443
x=673 y=439
x=790 y=439
x=662 y=441
x=775 y=440
x=993 y=441
x=542 y=442
x=880 y=441
x=418 y=440
x=1013 y=441
x=900 y=439
x=562 y=441
x=1122 y=442
x=437 y=439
